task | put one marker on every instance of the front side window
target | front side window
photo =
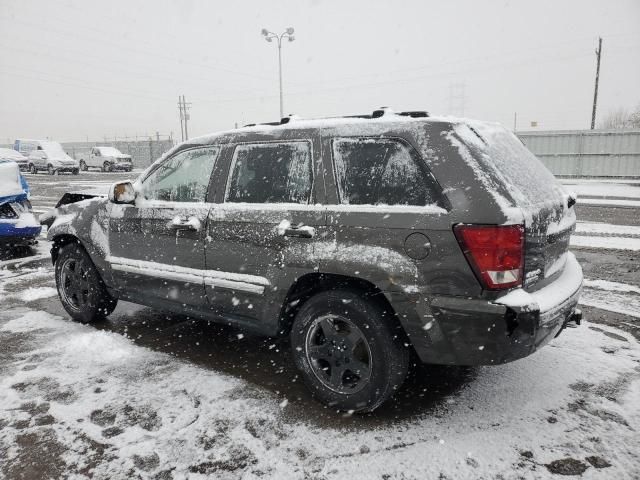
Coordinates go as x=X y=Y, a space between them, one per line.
x=271 y=173
x=380 y=172
x=183 y=177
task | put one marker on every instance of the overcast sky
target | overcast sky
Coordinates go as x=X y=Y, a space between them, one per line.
x=76 y=69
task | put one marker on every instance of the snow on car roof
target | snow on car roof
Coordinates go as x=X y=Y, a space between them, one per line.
x=10 y=183
x=10 y=154
x=389 y=118
x=109 y=151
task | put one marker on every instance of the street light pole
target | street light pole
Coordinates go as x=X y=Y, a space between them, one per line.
x=280 y=70
x=269 y=36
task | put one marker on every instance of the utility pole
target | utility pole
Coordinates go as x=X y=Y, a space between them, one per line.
x=181 y=119
x=515 y=121
x=185 y=109
x=595 y=91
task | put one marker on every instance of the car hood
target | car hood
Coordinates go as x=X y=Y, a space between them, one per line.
x=69 y=198
x=62 y=159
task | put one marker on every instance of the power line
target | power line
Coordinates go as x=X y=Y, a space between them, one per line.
x=457 y=99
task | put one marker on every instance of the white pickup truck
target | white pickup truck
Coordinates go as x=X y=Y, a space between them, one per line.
x=107 y=159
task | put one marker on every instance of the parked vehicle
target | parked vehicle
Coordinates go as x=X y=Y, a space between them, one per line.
x=50 y=157
x=25 y=145
x=18 y=226
x=17 y=157
x=107 y=159
x=365 y=239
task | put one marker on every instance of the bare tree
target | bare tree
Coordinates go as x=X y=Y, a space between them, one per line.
x=621 y=118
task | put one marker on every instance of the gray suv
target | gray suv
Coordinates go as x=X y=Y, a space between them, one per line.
x=367 y=240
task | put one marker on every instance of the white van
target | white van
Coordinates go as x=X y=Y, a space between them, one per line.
x=25 y=145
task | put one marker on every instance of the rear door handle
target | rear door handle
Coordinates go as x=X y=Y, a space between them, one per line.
x=300 y=232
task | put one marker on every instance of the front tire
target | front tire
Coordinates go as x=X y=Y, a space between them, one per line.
x=82 y=292
x=32 y=169
x=83 y=166
x=51 y=170
x=75 y=171
x=349 y=349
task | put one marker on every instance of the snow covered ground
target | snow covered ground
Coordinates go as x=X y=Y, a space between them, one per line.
x=93 y=402
x=593 y=188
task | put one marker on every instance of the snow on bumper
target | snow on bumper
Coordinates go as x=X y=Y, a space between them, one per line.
x=552 y=298
x=24 y=228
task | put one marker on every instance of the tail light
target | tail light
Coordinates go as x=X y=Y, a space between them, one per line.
x=495 y=252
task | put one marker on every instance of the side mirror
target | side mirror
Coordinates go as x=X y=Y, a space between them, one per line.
x=122 y=192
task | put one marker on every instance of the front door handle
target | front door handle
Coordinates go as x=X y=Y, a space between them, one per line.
x=285 y=229
x=191 y=224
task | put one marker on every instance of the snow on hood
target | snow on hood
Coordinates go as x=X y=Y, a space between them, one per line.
x=10 y=183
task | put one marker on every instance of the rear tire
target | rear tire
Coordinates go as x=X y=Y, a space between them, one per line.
x=350 y=350
x=82 y=292
x=32 y=169
x=51 y=170
x=107 y=167
x=75 y=171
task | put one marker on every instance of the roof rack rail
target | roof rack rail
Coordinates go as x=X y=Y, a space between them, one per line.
x=289 y=118
x=415 y=114
x=382 y=111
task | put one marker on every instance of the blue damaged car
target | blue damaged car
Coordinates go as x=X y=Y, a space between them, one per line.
x=18 y=225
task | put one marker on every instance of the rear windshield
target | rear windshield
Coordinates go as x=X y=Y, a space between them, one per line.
x=502 y=154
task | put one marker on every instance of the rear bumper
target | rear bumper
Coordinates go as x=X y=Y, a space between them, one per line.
x=463 y=331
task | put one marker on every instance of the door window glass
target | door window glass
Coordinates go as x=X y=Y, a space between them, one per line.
x=183 y=177
x=380 y=172
x=271 y=173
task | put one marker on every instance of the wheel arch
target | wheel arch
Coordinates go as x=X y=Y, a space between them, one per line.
x=312 y=283
x=60 y=241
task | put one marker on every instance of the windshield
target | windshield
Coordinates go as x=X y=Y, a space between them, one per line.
x=109 y=151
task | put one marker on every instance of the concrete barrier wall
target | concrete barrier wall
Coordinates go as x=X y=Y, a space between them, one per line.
x=587 y=153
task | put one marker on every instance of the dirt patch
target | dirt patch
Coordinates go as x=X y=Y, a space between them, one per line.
x=567 y=466
x=42 y=445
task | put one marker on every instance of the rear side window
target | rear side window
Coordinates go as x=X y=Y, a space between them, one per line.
x=380 y=172
x=271 y=173
x=183 y=177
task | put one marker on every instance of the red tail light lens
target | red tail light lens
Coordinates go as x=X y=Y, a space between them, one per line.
x=495 y=252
